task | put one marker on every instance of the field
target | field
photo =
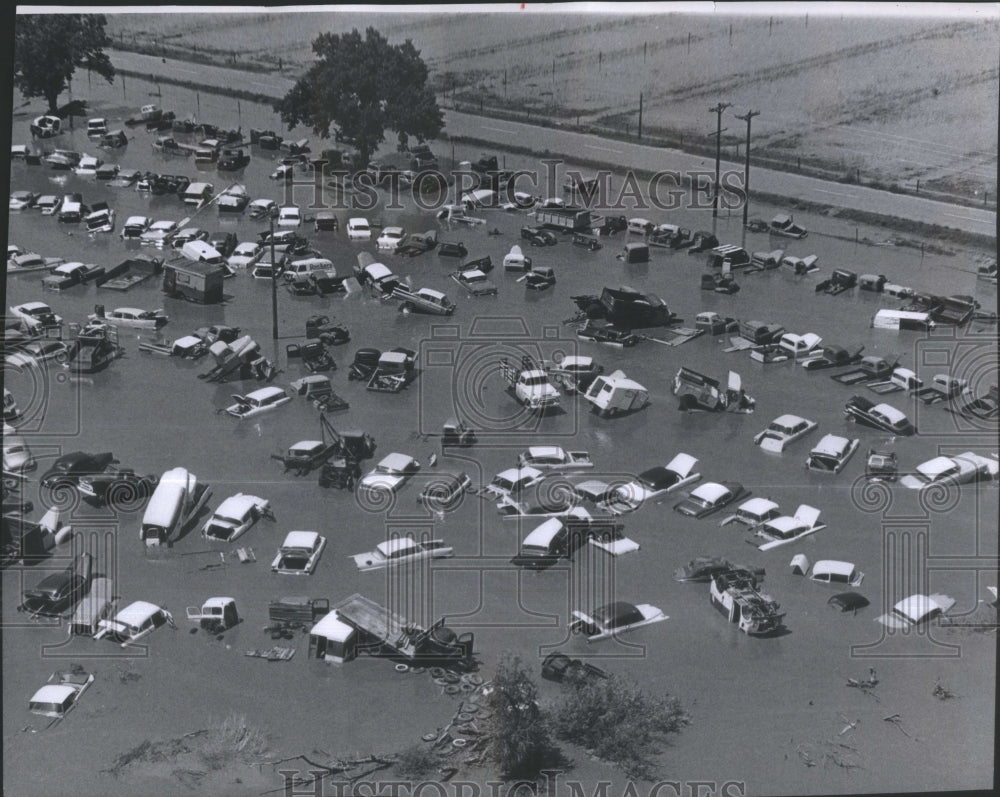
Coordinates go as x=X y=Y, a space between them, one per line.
x=880 y=101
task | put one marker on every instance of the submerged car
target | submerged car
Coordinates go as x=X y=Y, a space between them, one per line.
x=258 y=401
x=615 y=618
x=391 y=473
x=710 y=497
x=702 y=569
x=848 y=601
x=881 y=465
x=299 y=553
x=401 y=551
x=782 y=431
x=60 y=694
x=235 y=516
x=68 y=469
x=834 y=571
x=788 y=528
x=878 y=416
x=554 y=458
x=390 y=238
x=654 y=482
x=444 y=491
x=753 y=512
x=245 y=255
x=963 y=468
x=915 y=610
x=475 y=282
x=134 y=622
x=831 y=453
x=56 y=594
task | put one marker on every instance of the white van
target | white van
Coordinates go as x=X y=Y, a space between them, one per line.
x=202 y=252
x=165 y=511
x=300 y=269
x=197 y=193
x=331 y=639
x=97 y=127
x=902 y=319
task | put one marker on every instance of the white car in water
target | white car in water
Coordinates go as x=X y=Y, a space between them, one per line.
x=390 y=238
x=235 y=516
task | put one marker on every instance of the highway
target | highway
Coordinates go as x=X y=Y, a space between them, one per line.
x=619 y=154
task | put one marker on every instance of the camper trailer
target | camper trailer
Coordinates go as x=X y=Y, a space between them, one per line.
x=614 y=394
x=196 y=282
x=331 y=639
x=902 y=319
x=202 y=252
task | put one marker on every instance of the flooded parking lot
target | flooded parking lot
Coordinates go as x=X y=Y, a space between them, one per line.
x=154 y=414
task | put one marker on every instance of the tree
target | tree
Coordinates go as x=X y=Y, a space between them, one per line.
x=362 y=86
x=518 y=737
x=620 y=723
x=48 y=48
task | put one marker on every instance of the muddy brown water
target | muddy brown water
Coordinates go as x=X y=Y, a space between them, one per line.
x=759 y=706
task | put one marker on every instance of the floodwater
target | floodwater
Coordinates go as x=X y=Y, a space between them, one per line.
x=759 y=706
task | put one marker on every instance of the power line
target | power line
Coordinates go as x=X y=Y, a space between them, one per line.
x=717 y=110
x=746 y=168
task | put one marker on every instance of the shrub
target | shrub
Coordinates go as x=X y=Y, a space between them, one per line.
x=519 y=738
x=618 y=722
x=416 y=761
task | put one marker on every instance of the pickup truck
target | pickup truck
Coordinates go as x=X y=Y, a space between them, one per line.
x=530 y=384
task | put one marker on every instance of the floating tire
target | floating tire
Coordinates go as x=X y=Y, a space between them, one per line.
x=466 y=730
x=418 y=670
x=472 y=678
x=429 y=737
x=464 y=717
x=441 y=682
x=402 y=668
x=459 y=742
x=437 y=672
x=451 y=678
x=452 y=689
x=467 y=687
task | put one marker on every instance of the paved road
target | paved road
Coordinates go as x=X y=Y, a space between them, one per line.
x=638 y=156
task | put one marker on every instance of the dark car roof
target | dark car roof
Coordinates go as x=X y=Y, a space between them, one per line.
x=79 y=459
x=617 y=614
x=658 y=476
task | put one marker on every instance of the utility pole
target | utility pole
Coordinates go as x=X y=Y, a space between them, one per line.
x=640 y=116
x=746 y=169
x=274 y=287
x=717 y=110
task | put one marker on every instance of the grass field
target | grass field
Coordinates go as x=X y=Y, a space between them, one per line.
x=907 y=103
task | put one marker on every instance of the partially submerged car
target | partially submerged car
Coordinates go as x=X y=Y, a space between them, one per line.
x=784 y=225
x=134 y=227
x=881 y=465
x=560 y=537
x=134 y=622
x=69 y=274
x=391 y=473
x=444 y=492
x=475 y=282
x=835 y=571
x=831 y=453
x=878 y=416
x=299 y=553
x=736 y=596
x=788 y=528
x=401 y=551
x=702 y=569
x=783 y=430
x=653 y=483
x=235 y=516
x=710 y=497
x=554 y=458
x=848 y=602
x=37 y=315
x=258 y=401
x=68 y=469
x=390 y=238
x=965 y=468
x=508 y=485
x=60 y=694
x=245 y=255
x=614 y=618
x=915 y=610
x=131 y=317
x=753 y=512
x=57 y=593
x=562 y=669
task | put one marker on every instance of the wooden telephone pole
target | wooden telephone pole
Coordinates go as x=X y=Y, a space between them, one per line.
x=746 y=169
x=717 y=110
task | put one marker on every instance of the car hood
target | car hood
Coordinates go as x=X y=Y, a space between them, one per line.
x=382 y=481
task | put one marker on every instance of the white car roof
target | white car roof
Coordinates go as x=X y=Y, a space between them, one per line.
x=136 y=613
x=834 y=567
x=53 y=693
x=237 y=505
x=306 y=445
x=389 y=547
x=300 y=539
x=890 y=412
x=246 y=246
x=758 y=506
x=784 y=524
x=546 y=451
x=788 y=420
x=357 y=222
x=431 y=293
x=332 y=627
x=918 y=606
x=377 y=270
x=67 y=268
x=395 y=461
x=265 y=392
x=709 y=491
x=515 y=474
x=832 y=445
x=576 y=359
x=933 y=468
x=388 y=232
x=543 y=535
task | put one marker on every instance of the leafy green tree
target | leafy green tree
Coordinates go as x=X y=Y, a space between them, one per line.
x=48 y=49
x=361 y=87
x=619 y=722
x=519 y=738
